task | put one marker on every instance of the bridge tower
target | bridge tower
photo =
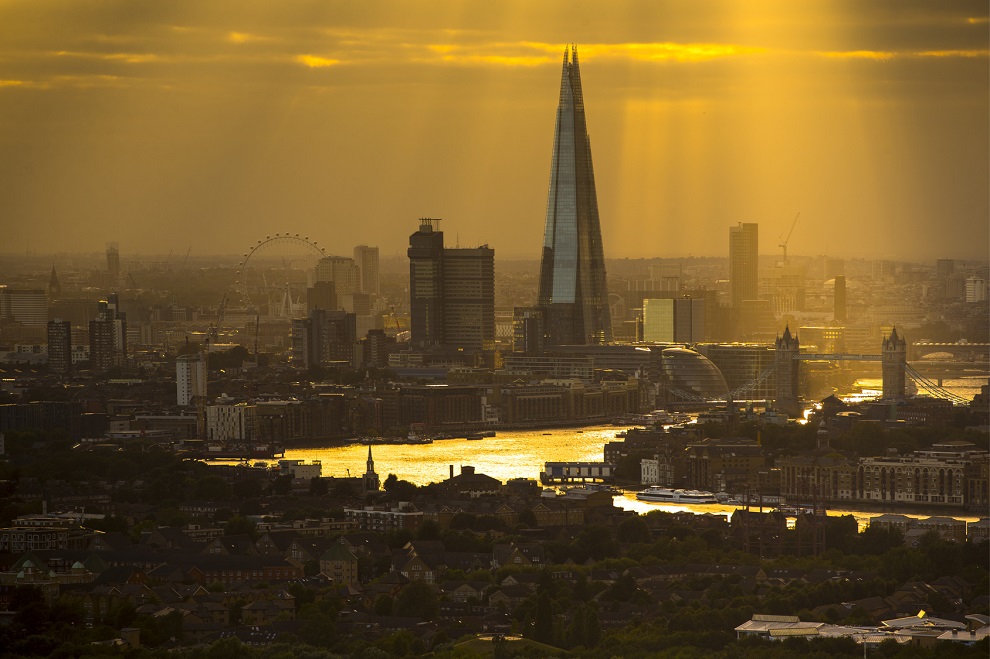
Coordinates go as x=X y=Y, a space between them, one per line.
x=786 y=367
x=893 y=358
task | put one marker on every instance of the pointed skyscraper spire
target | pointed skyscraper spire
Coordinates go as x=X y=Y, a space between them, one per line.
x=54 y=287
x=573 y=292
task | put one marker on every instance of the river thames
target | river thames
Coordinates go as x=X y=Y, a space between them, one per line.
x=518 y=454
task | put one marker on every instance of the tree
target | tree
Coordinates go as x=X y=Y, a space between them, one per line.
x=592 y=626
x=240 y=526
x=428 y=530
x=543 y=623
x=633 y=529
x=528 y=518
x=247 y=488
x=383 y=605
x=212 y=488
x=577 y=626
x=317 y=487
x=282 y=485
x=416 y=600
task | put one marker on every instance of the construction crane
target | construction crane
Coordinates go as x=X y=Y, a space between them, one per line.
x=783 y=245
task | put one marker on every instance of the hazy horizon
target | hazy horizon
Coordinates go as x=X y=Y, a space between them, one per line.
x=165 y=126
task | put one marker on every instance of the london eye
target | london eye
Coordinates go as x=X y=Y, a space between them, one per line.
x=273 y=277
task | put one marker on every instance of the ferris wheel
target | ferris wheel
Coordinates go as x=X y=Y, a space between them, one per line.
x=273 y=277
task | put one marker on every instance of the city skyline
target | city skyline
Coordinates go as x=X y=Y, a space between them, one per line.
x=169 y=127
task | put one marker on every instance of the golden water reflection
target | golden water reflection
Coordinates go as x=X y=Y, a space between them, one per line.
x=518 y=454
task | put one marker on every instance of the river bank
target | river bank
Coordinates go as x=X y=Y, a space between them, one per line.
x=522 y=454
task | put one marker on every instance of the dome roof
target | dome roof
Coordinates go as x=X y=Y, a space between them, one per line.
x=693 y=373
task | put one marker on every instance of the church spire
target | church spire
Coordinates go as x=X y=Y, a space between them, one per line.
x=371 y=481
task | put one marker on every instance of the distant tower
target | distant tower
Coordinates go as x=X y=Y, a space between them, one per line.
x=59 y=346
x=113 y=262
x=451 y=292
x=893 y=357
x=371 y=482
x=367 y=262
x=54 y=287
x=744 y=281
x=821 y=437
x=573 y=290
x=190 y=379
x=426 y=284
x=787 y=369
x=108 y=336
x=342 y=271
x=839 y=299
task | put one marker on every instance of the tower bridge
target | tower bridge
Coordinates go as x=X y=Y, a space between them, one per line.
x=893 y=358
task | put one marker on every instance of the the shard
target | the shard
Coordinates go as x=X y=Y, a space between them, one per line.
x=573 y=295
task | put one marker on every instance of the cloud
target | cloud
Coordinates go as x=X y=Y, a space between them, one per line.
x=316 y=62
x=859 y=54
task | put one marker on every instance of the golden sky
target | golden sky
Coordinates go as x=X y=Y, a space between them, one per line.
x=165 y=125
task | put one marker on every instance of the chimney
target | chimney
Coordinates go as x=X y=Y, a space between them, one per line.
x=451 y=471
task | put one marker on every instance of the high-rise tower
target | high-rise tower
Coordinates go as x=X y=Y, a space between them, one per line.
x=451 y=292
x=743 y=263
x=573 y=292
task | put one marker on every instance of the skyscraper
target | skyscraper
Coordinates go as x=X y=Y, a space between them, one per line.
x=324 y=337
x=59 y=345
x=743 y=263
x=573 y=292
x=108 y=336
x=839 y=299
x=190 y=378
x=342 y=271
x=367 y=262
x=451 y=292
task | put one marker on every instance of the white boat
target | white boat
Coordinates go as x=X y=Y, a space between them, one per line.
x=667 y=494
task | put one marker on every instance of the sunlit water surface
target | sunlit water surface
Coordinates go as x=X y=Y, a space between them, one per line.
x=517 y=454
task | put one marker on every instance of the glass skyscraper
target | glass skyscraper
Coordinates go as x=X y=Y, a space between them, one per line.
x=573 y=293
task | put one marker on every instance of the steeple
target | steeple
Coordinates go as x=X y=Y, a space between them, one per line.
x=54 y=287
x=573 y=293
x=370 y=481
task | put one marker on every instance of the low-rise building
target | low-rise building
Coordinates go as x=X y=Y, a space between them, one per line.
x=384 y=519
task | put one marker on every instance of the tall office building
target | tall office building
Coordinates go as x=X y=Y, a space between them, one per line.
x=321 y=295
x=324 y=337
x=573 y=291
x=342 y=271
x=108 y=336
x=59 y=346
x=113 y=261
x=744 y=283
x=29 y=307
x=451 y=292
x=367 y=263
x=190 y=378
x=839 y=299
x=944 y=268
x=679 y=320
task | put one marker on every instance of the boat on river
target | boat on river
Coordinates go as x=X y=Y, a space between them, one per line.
x=668 y=495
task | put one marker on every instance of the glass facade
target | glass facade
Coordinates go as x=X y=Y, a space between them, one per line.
x=573 y=290
x=691 y=372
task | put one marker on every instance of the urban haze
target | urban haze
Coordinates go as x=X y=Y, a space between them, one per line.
x=513 y=329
